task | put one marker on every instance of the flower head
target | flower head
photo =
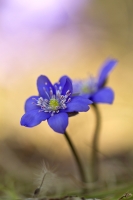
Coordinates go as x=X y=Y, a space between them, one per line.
x=94 y=88
x=54 y=104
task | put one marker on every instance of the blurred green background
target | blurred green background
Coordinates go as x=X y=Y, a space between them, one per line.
x=55 y=38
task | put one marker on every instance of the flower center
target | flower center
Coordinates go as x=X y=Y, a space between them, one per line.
x=89 y=86
x=53 y=101
x=54 y=104
x=85 y=89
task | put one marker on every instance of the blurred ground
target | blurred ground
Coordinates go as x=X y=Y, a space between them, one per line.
x=56 y=38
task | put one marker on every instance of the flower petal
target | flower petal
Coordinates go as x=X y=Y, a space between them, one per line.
x=105 y=95
x=58 y=122
x=30 y=103
x=66 y=84
x=33 y=118
x=86 y=95
x=105 y=70
x=78 y=104
x=43 y=83
x=77 y=86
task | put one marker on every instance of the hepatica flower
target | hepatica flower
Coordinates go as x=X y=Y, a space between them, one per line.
x=94 y=88
x=54 y=104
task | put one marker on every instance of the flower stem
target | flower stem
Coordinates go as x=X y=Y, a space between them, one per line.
x=81 y=171
x=94 y=155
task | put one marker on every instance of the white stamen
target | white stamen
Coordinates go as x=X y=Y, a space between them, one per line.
x=59 y=99
x=46 y=92
x=60 y=88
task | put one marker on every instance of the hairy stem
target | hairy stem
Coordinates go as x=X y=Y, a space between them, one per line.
x=79 y=165
x=95 y=141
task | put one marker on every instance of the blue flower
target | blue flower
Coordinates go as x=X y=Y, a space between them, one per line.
x=54 y=103
x=94 y=88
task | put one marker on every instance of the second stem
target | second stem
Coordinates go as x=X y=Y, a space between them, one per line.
x=95 y=141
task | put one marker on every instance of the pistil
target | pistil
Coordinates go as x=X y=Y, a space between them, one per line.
x=54 y=102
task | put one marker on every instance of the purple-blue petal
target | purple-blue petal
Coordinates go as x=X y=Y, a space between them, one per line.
x=86 y=95
x=30 y=103
x=66 y=84
x=58 y=122
x=33 y=118
x=78 y=104
x=77 y=86
x=105 y=70
x=105 y=95
x=43 y=83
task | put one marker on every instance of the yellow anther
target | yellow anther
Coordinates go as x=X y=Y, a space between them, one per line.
x=53 y=103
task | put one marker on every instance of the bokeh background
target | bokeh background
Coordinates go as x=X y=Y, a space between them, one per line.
x=55 y=38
